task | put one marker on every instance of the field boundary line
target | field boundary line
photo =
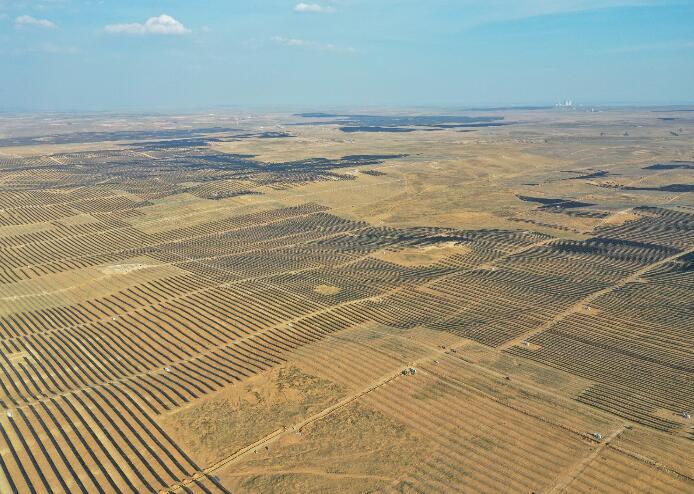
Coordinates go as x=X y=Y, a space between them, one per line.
x=568 y=477
x=652 y=463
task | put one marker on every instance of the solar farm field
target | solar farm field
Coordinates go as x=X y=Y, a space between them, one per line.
x=312 y=303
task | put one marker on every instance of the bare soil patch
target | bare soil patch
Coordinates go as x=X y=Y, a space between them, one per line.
x=124 y=268
x=357 y=449
x=422 y=256
x=621 y=217
x=224 y=422
x=327 y=289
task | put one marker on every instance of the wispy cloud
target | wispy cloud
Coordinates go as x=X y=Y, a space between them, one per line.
x=163 y=24
x=313 y=8
x=513 y=10
x=28 y=21
x=644 y=47
x=540 y=7
x=290 y=41
x=311 y=44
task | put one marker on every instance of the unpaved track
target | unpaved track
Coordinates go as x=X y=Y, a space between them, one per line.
x=565 y=480
x=314 y=472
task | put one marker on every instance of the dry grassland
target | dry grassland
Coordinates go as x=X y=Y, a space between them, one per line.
x=267 y=303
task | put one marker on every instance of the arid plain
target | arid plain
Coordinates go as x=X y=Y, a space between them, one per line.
x=470 y=301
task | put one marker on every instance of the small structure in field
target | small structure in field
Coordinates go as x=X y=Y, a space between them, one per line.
x=686 y=415
x=597 y=436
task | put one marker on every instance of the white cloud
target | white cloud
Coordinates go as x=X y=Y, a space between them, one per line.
x=163 y=24
x=311 y=44
x=28 y=21
x=290 y=41
x=312 y=8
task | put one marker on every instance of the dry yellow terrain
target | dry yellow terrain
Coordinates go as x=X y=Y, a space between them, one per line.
x=495 y=301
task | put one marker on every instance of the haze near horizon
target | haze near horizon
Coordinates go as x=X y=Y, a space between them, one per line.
x=176 y=55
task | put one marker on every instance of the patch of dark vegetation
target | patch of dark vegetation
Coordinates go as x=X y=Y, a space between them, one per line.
x=426 y=120
x=685 y=263
x=402 y=123
x=671 y=165
x=664 y=188
x=681 y=265
x=216 y=196
x=438 y=239
x=362 y=157
x=615 y=248
x=316 y=115
x=543 y=224
x=204 y=141
x=548 y=202
x=472 y=125
x=223 y=157
x=663 y=226
x=177 y=143
x=242 y=163
x=262 y=135
x=583 y=176
x=374 y=173
x=467 y=128
x=121 y=135
x=380 y=129
x=169 y=167
x=580 y=213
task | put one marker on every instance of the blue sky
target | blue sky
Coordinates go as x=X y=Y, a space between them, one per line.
x=176 y=54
